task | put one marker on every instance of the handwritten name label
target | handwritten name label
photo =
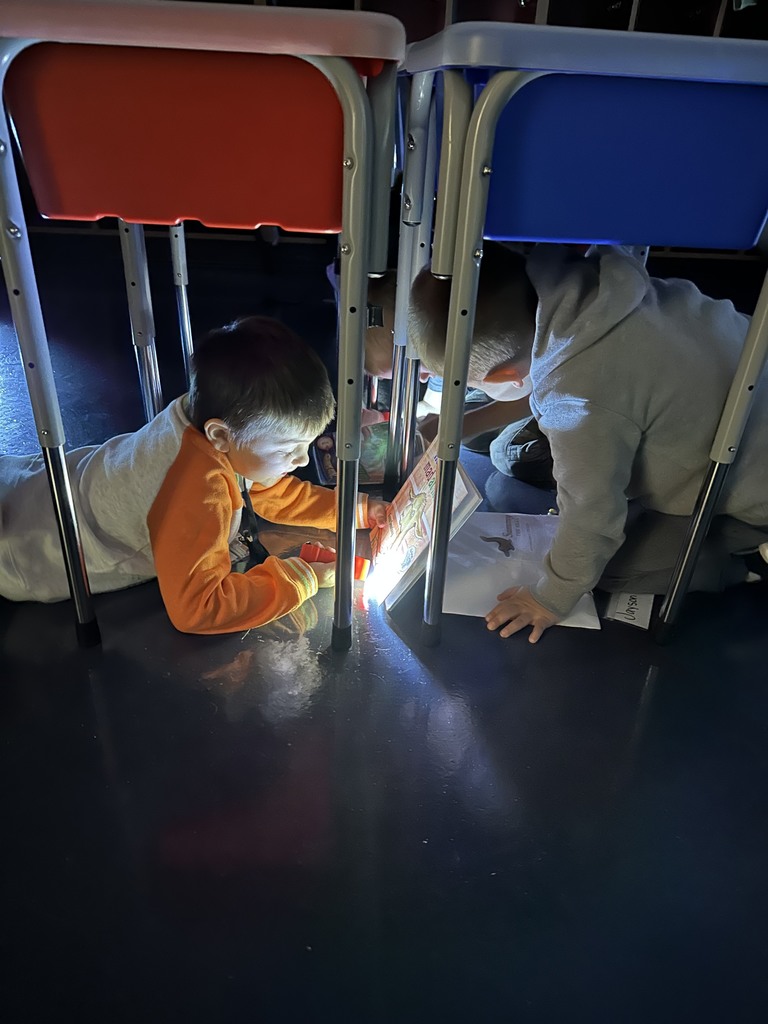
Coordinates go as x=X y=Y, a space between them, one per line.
x=634 y=609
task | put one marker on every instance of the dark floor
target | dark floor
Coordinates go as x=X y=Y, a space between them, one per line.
x=250 y=828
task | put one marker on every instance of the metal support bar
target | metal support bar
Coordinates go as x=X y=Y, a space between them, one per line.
x=382 y=91
x=457 y=110
x=403 y=89
x=724 y=449
x=370 y=390
x=410 y=402
x=416 y=214
x=181 y=280
x=87 y=627
x=395 y=442
x=718 y=26
x=436 y=566
x=354 y=251
x=419 y=237
x=24 y=299
x=542 y=12
x=686 y=560
x=473 y=200
x=416 y=147
x=140 y=311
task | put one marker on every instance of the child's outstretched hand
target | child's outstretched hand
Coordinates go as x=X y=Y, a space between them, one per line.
x=369 y=416
x=519 y=608
x=325 y=572
x=377 y=512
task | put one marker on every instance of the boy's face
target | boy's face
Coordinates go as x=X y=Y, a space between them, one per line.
x=267 y=459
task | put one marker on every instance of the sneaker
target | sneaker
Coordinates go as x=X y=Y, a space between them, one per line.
x=481 y=443
x=757 y=563
x=430 y=403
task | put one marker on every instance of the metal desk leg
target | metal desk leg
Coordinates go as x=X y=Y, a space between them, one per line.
x=410 y=403
x=142 y=320
x=723 y=453
x=416 y=214
x=382 y=92
x=470 y=221
x=354 y=252
x=36 y=359
x=87 y=627
x=434 y=586
x=457 y=110
x=395 y=442
x=180 y=281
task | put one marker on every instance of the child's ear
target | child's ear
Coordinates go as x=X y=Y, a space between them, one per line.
x=505 y=373
x=218 y=434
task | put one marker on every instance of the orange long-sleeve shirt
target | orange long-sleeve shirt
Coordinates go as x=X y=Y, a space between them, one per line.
x=161 y=502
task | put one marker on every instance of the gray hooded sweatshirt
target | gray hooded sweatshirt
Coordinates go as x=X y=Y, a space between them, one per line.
x=630 y=374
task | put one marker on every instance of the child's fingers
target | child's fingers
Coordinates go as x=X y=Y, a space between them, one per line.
x=514 y=626
x=368 y=416
x=536 y=633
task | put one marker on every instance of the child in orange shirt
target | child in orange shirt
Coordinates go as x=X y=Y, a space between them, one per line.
x=168 y=500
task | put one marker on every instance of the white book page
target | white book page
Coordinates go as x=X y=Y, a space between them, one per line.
x=494 y=551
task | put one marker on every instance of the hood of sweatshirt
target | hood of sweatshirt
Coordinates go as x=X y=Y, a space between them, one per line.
x=581 y=300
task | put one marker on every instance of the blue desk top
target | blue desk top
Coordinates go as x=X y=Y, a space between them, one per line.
x=590 y=51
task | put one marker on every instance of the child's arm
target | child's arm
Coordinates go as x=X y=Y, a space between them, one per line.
x=295 y=502
x=593 y=451
x=477 y=421
x=189 y=525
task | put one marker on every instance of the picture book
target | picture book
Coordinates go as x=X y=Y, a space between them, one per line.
x=399 y=549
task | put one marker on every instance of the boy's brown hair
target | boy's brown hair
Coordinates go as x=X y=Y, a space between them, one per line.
x=505 y=314
x=259 y=377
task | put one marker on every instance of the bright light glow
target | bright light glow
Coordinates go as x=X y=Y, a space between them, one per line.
x=384 y=574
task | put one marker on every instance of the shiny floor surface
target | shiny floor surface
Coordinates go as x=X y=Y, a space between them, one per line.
x=252 y=828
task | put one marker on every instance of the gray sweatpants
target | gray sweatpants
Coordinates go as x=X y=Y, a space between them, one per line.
x=647 y=558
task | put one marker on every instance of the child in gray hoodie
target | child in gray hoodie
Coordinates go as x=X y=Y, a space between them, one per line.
x=626 y=376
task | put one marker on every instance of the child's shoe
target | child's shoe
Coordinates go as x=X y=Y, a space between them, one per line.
x=757 y=563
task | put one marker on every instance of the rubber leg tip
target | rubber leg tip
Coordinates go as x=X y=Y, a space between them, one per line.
x=88 y=633
x=341 y=638
x=662 y=632
x=430 y=634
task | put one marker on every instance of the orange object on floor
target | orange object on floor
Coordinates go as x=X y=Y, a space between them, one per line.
x=314 y=553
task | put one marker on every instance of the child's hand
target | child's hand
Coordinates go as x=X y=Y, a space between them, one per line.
x=369 y=416
x=325 y=572
x=377 y=512
x=519 y=608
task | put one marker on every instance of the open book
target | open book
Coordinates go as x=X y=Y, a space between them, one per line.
x=399 y=549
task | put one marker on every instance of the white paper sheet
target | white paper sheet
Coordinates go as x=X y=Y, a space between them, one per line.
x=494 y=551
